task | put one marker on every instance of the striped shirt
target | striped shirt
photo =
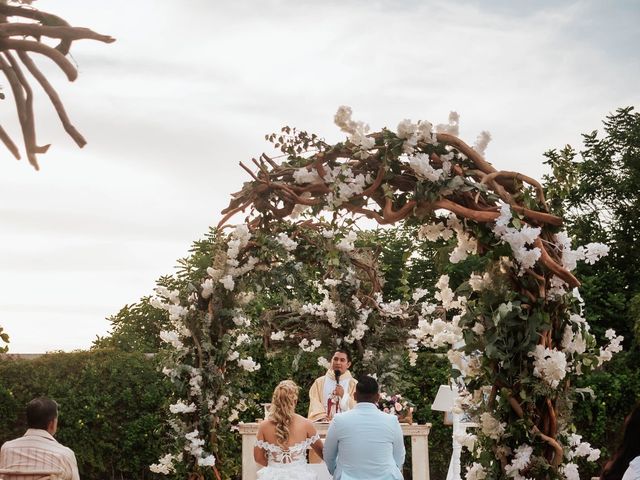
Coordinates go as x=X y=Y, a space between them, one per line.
x=37 y=451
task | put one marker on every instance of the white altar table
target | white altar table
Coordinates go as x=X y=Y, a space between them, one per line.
x=419 y=450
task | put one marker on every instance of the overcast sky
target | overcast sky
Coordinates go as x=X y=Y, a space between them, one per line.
x=190 y=88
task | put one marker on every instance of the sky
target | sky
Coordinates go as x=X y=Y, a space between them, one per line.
x=189 y=89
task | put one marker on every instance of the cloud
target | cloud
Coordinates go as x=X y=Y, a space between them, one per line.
x=188 y=91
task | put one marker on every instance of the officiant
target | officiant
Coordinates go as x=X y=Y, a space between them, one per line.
x=333 y=392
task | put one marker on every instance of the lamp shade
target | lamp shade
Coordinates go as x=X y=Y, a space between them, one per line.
x=444 y=399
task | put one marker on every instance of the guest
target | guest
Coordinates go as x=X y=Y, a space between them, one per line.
x=326 y=396
x=37 y=450
x=364 y=443
x=625 y=463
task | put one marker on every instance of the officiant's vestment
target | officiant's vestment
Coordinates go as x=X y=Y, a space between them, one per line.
x=322 y=389
x=364 y=444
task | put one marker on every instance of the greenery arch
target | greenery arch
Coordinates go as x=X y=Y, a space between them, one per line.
x=297 y=273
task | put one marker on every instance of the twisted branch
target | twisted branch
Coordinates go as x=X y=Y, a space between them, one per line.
x=51 y=26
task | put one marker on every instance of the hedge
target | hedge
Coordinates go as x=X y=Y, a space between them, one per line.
x=111 y=409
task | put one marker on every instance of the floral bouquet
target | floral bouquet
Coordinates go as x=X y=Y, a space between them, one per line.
x=396 y=405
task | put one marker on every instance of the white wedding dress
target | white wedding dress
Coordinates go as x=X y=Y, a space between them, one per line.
x=287 y=464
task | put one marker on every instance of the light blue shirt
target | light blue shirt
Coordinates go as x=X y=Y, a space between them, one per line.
x=364 y=444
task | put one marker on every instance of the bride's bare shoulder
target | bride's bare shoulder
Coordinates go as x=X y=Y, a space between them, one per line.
x=265 y=425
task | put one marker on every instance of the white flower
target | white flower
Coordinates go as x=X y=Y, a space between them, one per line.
x=307 y=346
x=396 y=308
x=477 y=282
x=233 y=355
x=164 y=465
x=207 y=288
x=491 y=427
x=558 y=287
x=195 y=443
x=228 y=282
x=358 y=332
x=478 y=328
x=288 y=244
x=573 y=342
x=419 y=293
x=343 y=120
x=570 y=471
x=433 y=231
x=452 y=127
x=240 y=320
x=517 y=239
x=482 y=141
x=278 y=336
x=549 y=365
x=181 y=407
x=242 y=339
x=248 y=364
x=406 y=129
x=419 y=163
x=208 y=461
x=593 y=252
x=324 y=363
x=581 y=449
x=425 y=132
x=466 y=244
x=304 y=175
x=520 y=461
x=475 y=472
x=346 y=244
x=171 y=337
x=413 y=358
x=219 y=404
x=171 y=295
x=357 y=130
x=235 y=415
x=408 y=132
x=615 y=345
x=466 y=440
x=444 y=294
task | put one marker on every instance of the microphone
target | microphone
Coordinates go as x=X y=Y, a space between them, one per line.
x=337 y=374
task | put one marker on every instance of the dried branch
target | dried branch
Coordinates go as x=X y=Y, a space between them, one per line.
x=50 y=26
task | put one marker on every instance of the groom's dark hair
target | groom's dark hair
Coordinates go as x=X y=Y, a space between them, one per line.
x=367 y=389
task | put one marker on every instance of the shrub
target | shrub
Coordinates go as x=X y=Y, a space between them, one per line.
x=111 y=407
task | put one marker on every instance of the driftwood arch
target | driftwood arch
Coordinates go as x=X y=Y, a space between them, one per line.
x=513 y=329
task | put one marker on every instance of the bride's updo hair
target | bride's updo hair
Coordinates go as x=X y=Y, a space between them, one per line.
x=283 y=408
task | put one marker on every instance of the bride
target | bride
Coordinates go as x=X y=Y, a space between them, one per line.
x=284 y=437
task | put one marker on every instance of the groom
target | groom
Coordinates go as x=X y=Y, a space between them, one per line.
x=365 y=443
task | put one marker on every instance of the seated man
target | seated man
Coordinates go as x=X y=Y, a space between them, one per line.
x=37 y=450
x=326 y=396
x=365 y=443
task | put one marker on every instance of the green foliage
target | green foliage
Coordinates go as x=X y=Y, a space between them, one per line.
x=600 y=417
x=135 y=328
x=4 y=338
x=111 y=407
x=599 y=196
